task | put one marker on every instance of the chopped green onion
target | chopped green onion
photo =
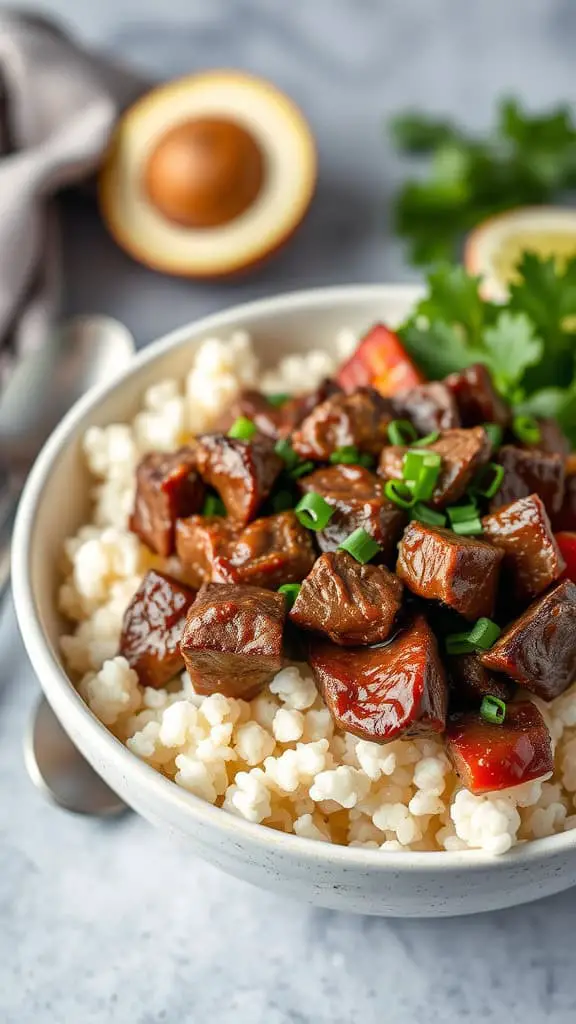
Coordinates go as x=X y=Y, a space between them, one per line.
x=290 y=591
x=284 y=449
x=493 y=710
x=460 y=513
x=423 y=487
x=423 y=442
x=469 y=527
x=301 y=469
x=243 y=429
x=414 y=461
x=495 y=433
x=401 y=432
x=361 y=545
x=526 y=429
x=348 y=455
x=278 y=400
x=282 y=501
x=213 y=506
x=427 y=515
x=399 y=493
x=366 y=460
x=481 y=637
x=313 y=511
x=488 y=480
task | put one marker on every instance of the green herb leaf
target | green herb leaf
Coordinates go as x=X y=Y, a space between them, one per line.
x=511 y=346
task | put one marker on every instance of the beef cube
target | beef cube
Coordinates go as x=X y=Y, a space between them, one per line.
x=167 y=486
x=358 y=419
x=152 y=627
x=356 y=496
x=199 y=541
x=267 y=553
x=477 y=398
x=470 y=681
x=538 y=650
x=243 y=472
x=254 y=406
x=232 y=640
x=350 y=602
x=565 y=518
x=532 y=558
x=439 y=565
x=430 y=407
x=552 y=439
x=530 y=472
x=462 y=451
x=489 y=757
x=381 y=693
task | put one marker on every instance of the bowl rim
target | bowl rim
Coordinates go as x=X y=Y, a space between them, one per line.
x=54 y=679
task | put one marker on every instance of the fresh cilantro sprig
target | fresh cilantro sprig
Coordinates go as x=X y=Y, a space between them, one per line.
x=528 y=343
x=529 y=159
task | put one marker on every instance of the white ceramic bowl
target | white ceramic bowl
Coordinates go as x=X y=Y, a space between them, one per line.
x=55 y=503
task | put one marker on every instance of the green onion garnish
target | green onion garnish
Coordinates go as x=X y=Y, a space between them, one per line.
x=278 y=400
x=313 y=511
x=284 y=449
x=414 y=461
x=366 y=460
x=361 y=545
x=423 y=442
x=469 y=527
x=423 y=488
x=282 y=501
x=399 y=493
x=526 y=429
x=481 y=637
x=427 y=515
x=495 y=433
x=213 y=506
x=290 y=591
x=493 y=710
x=348 y=455
x=301 y=469
x=401 y=432
x=488 y=480
x=243 y=429
x=460 y=513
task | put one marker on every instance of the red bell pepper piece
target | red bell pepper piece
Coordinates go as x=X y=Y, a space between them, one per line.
x=380 y=362
x=567 y=544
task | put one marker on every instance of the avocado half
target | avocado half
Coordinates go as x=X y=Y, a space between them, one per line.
x=208 y=175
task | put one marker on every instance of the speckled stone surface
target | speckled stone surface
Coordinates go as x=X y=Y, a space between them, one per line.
x=117 y=923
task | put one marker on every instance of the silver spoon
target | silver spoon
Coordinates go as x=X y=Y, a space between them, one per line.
x=84 y=352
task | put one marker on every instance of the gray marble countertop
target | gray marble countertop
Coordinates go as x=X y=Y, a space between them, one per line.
x=117 y=923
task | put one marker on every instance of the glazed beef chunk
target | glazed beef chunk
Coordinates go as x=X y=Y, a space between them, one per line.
x=243 y=472
x=461 y=572
x=152 y=628
x=489 y=757
x=350 y=602
x=530 y=472
x=552 y=439
x=430 y=407
x=462 y=451
x=232 y=639
x=565 y=518
x=532 y=559
x=360 y=419
x=199 y=541
x=381 y=693
x=538 y=650
x=356 y=496
x=267 y=553
x=272 y=420
x=476 y=397
x=167 y=486
x=470 y=681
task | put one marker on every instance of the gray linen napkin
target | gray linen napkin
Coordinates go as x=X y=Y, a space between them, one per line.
x=58 y=105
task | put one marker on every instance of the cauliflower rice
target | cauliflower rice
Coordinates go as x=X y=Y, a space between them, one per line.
x=277 y=760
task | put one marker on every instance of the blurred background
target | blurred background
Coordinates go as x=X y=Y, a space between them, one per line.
x=115 y=922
